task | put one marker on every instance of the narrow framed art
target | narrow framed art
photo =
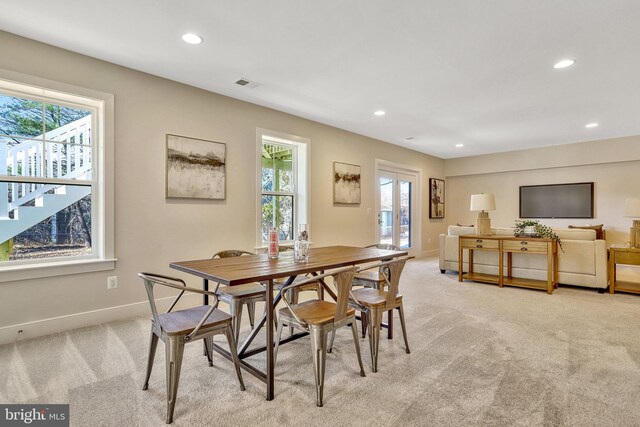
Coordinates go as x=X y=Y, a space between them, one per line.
x=436 y=198
x=196 y=168
x=346 y=183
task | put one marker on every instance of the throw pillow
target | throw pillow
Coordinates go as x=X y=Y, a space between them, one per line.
x=597 y=228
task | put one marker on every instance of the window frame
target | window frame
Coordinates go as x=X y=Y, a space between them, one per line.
x=101 y=106
x=301 y=173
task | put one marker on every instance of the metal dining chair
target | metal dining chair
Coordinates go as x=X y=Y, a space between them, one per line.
x=372 y=303
x=180 y=327
x=238 y=296
x=374 y=278
x=319 y=317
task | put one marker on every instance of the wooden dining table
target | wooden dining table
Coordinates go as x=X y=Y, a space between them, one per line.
x=261 y=268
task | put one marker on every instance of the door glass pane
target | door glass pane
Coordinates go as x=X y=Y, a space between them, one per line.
x=405 y=214
x=385 y=216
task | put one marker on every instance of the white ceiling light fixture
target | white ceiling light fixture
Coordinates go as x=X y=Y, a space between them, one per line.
x=459 y=145
x=564 y=63
x=192 y=38
x=591 y=125
x=379 y=113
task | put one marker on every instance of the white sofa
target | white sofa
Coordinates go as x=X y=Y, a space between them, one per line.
x=582 y=263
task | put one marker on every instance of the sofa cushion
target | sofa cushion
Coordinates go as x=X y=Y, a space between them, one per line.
x=575 y=234
x=598 y=229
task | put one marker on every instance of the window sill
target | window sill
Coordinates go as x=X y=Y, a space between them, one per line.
x=63 y=268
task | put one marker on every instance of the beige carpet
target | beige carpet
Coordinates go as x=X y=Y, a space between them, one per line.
x=480 y=355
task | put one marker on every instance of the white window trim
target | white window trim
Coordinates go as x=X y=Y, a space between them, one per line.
x=302 y=210
x=104 y=256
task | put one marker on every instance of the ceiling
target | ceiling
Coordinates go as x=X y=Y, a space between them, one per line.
x=447 y=72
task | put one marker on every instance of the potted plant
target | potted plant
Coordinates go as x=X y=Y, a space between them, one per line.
x=533 y=228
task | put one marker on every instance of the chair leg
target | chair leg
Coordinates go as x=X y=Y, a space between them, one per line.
x=235 y=309
x=293 y=296
x=208 y=346
x=251 y=309
x=390 y=324
x=363 y=319
x=234 y=354
x=278 y=338
x=333 y=337
x=174 y=349
x=319 y=349
x=404 y=328
x=354 y=329
x=374 y=336
x=153 y=344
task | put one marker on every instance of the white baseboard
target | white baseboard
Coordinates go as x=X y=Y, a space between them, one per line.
x=38 y=328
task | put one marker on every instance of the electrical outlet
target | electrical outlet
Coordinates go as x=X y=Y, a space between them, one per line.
x=112 y=282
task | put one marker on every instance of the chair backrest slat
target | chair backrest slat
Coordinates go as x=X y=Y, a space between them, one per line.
x=342 y=282
x=385 y=246
x=393 y=270
x=231 y=253
x=152 y=279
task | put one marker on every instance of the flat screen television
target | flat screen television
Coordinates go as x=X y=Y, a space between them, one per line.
x=557 y=201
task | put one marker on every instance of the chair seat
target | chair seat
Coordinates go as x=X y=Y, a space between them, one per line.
x=314 y=312
x=373 y=297
x=369 y=278
x=182 y=322
x=239 y=291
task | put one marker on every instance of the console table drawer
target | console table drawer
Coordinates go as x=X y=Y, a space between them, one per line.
x=524 y=246
x=479 y=243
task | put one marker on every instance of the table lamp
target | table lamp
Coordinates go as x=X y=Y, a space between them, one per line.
x=632 y=210
x=482 y=203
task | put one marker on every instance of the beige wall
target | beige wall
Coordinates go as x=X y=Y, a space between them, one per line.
x=613 y=166
x=151 y=231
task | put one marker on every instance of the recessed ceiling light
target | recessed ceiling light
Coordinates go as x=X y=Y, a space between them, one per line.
x=379 y=113
x=592 y=125
x=459 y=145
x=564 y=63
x=192 y=38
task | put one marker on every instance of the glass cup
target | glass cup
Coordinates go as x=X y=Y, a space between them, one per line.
x=301 y=244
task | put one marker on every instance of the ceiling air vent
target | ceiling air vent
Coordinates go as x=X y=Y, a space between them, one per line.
x=247 y=83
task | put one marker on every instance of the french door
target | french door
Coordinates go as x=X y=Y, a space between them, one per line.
x=396 y=201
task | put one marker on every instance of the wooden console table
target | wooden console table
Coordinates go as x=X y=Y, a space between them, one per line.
x=622 y=255
x=510 y=245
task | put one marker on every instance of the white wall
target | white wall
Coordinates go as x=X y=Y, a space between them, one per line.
x=613 y=165
x=151 y=231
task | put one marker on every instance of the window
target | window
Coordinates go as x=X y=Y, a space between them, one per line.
x=282 y=184
x=51 y=190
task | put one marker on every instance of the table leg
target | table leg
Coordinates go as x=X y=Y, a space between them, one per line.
x=549 y=268
x=270 y=343
x=612 y=272
x=460 y=263
x=205 y=301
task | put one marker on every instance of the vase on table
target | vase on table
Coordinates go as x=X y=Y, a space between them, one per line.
x=301 y=244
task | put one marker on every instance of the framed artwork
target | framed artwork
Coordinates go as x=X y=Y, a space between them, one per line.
x=346 y=183
x=196 y=168
x=436 y=198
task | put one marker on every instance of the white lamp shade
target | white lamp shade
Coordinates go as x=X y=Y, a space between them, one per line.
x=632 y=207
x=483 y=202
